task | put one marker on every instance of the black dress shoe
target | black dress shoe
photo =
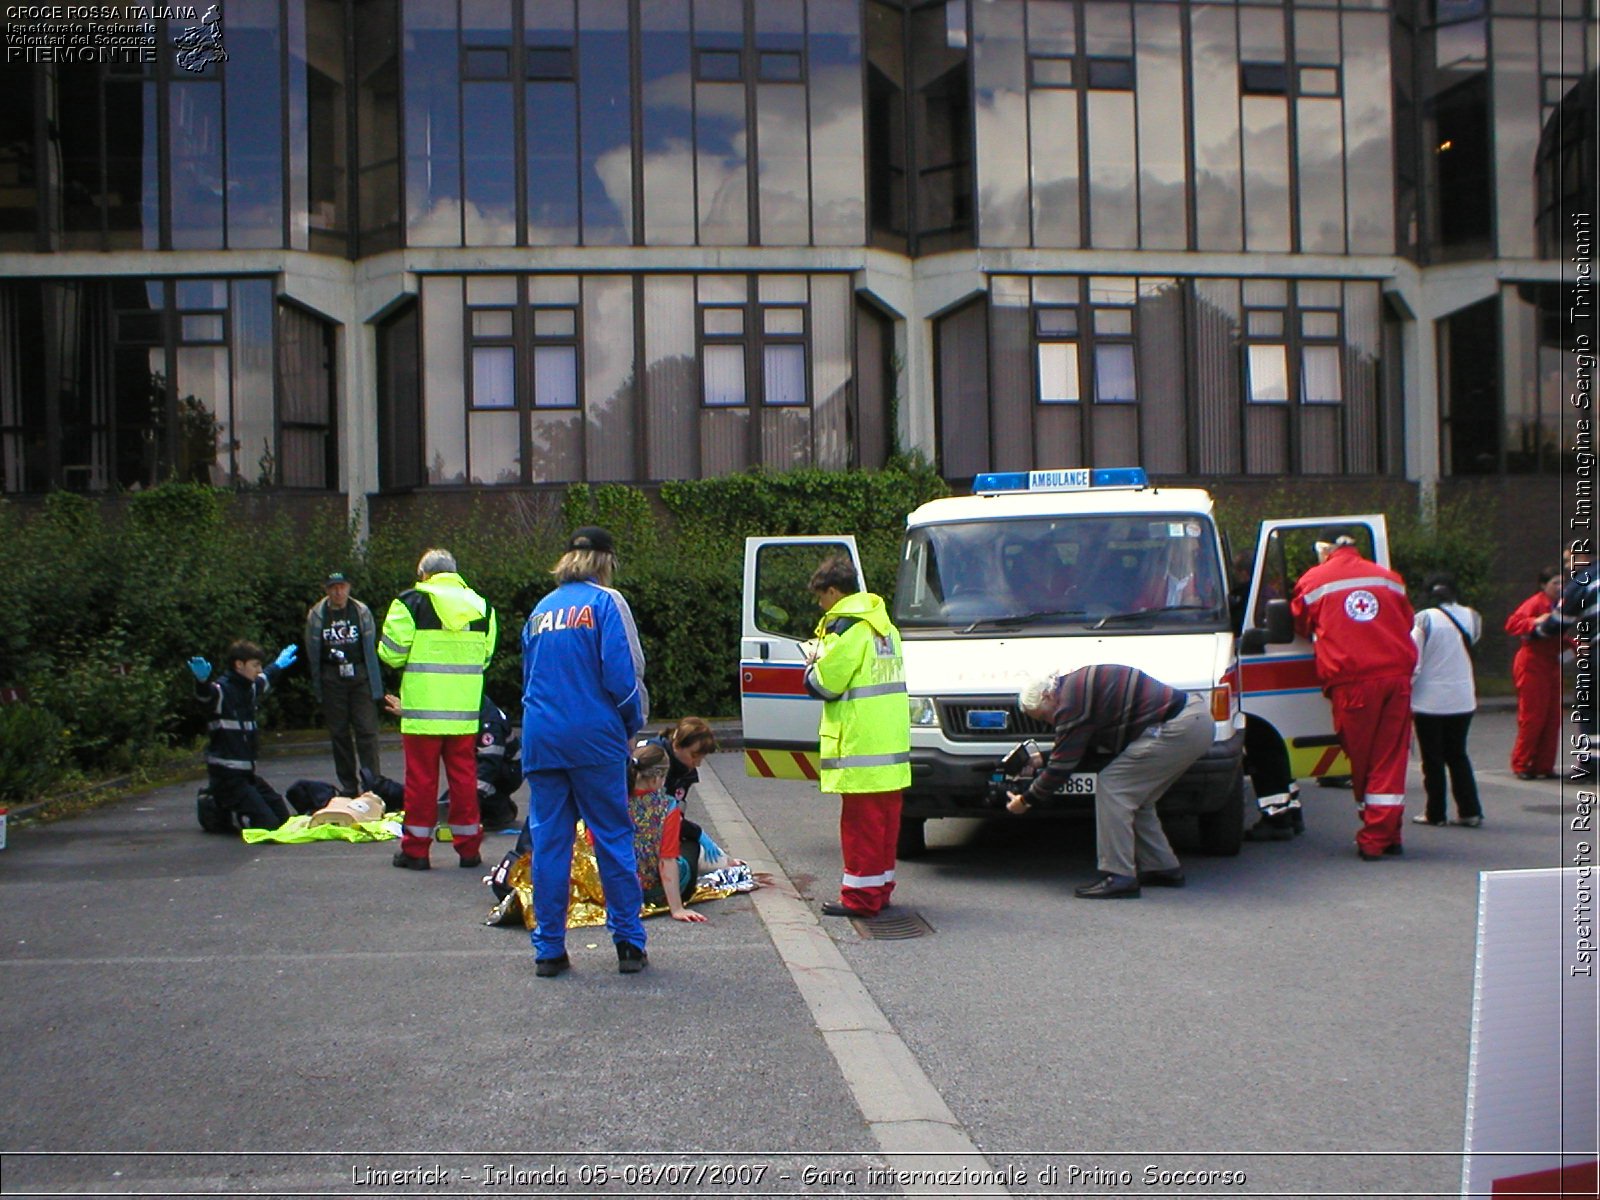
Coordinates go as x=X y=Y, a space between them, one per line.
x=406 y=863
x=549 y=968
x=833 y=908
x=1394 y=850
x=1112 y=887
x=630 y=959
x=1172 y=878
x=1365 y=857
x=471 y=860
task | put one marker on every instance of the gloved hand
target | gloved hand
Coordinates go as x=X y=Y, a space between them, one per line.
x=286 y=656
x=200 y=668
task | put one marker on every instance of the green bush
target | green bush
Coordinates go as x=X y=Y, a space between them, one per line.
x=31 y=750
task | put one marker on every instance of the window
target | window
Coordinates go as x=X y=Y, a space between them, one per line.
x=1050 y=71
x=1321 y=377
x=1056 y=330
x=548 y=62
x=1268 y=366
x=1319 y=81
x=1113 y=373
x=494 y=358
x=1111 y=74
x=485 y=62
x=780 y=66
x=1264 y=79
x=555 y=358
x=780 y=334
x=719 y=66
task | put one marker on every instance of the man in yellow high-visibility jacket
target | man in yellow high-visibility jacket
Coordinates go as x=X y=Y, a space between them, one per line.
x=441 y=635
x=865 y=734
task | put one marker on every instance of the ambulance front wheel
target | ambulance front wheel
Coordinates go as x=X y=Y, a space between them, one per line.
x=1222 y=830
x=913 y=839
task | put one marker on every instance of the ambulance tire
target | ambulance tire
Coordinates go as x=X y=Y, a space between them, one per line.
x=1222 y=830
x=913 y=839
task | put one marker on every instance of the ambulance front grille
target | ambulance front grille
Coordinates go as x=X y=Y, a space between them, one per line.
x=954 y=715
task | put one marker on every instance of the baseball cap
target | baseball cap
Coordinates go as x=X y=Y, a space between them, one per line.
x=591 y=537
x=333 y=578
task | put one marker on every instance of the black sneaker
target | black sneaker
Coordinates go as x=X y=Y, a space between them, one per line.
x=1111 y=887
x=549 y=968
x=406 y=863
x=630 y=959
x=1269 y=829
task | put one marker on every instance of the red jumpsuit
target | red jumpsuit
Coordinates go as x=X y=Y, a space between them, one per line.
x=1536 y=670
x=1359 y=619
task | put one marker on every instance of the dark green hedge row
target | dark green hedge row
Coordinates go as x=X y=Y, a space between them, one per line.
x=105 y=602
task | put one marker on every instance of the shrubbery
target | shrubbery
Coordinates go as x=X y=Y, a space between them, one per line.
x=111 y=599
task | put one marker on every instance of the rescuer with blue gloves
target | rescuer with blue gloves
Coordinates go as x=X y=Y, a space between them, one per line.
x=237 y=793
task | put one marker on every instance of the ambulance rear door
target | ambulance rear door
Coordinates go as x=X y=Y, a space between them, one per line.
x=1279 y=684
x=779 y=616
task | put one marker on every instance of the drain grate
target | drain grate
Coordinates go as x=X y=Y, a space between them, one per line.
x=898 y=924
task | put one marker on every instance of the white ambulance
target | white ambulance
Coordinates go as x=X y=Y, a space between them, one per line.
x=1050 y=571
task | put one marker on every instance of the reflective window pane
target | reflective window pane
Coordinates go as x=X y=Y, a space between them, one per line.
x=722 y=378
x=1056 y=321
x=1263 y=324
x=555 y=376
x=1113 y=320
x=1319 y=324
x=724 y=321
x=480 y=63
x=1113 y=374
x=779 y=66
x=783 y=374
x=1058 y=373
x=202 y=329
x=719 y=66
x=554 y=322
x=1050 y=72
x=1269 y=374
x=494 y=377
x=547 y=62
x=1320 y=381
x=491 y=324
x=783 y=320
x=1319 y=81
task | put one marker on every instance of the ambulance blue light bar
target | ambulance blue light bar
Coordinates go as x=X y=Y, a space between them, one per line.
x=1071 y=479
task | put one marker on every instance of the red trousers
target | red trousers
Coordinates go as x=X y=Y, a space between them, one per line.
x=1373 y=720
x=1538 y=680
x=460 y=754
x=869 y=828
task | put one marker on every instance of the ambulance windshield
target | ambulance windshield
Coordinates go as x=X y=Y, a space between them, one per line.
x=1108 y=573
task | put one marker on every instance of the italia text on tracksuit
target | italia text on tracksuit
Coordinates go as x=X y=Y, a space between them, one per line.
x=864 y=741
x=441 y=634
x=1359 y=619
x=583 y=699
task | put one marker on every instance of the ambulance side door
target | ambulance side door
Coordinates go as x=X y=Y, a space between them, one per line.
x=778 y=617
x=1279 y=684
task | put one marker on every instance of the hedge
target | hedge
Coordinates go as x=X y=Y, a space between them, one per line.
x=115 y=596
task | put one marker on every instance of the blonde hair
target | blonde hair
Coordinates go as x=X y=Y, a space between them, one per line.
x=575 y=565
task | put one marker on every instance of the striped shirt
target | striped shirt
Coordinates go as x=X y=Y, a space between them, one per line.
x=1100 y=708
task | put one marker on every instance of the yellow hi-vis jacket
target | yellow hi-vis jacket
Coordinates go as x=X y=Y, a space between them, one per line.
x=865 y=734
x=441 y=634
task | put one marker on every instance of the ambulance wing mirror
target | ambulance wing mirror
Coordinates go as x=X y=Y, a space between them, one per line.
x=1280 y=624
x=1253 y=641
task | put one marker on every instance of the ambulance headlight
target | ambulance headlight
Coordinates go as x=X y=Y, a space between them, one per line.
x=923 y=712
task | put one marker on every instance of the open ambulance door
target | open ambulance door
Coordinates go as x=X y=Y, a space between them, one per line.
x=778 y=616
x=1279 y=680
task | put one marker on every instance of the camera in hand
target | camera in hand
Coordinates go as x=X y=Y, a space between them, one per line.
x=1011 y=773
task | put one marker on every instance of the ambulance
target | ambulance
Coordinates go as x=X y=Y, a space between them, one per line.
x=1048 y=571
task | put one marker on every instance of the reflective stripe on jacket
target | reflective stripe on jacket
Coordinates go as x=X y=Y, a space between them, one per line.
x=441 y=635
x=865 y=734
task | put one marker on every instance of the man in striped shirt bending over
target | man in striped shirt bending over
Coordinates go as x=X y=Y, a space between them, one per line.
x=1154 y=733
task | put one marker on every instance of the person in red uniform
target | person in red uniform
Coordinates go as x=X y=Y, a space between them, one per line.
x=1359 y=620
x=1536 y=670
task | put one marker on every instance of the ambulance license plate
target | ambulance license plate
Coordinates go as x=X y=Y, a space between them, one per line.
x=1085 y=783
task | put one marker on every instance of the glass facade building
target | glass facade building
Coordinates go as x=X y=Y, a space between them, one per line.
x=389 y=245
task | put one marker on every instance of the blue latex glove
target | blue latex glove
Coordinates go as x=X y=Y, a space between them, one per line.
x=286 y=656
x=201 y=668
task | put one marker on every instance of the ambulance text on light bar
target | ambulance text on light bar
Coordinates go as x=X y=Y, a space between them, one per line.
x=1067 y=480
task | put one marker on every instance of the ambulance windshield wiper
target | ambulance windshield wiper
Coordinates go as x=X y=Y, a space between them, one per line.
x=1140 y=614
x=1028 y=618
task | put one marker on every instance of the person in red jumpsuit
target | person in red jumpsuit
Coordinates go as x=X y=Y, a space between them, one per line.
x=1536 y=670
x=1359 y=620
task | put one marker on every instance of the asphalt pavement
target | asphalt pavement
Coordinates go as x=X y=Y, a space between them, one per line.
x=186 y=1014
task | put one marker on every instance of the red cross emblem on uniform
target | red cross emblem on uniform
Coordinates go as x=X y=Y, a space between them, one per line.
x=1361 y=605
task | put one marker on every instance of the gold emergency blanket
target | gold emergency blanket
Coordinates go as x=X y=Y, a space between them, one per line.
x=586 y=902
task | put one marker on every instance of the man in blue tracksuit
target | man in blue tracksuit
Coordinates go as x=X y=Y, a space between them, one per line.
x=583 y=698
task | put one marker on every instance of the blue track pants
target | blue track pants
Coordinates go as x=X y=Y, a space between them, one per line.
x=556 y=799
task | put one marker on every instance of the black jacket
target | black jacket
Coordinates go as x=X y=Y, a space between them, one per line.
x=230 y=701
